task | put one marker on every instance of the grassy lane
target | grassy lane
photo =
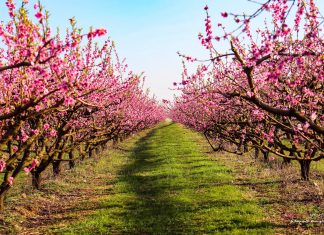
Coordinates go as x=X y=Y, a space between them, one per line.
x=164 y=184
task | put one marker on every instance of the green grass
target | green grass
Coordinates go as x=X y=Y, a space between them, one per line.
x=166 y=185
x=319 y=166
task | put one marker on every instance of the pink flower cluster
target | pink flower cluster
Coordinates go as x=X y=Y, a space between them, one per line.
x=2 y=165
x=33 y=165
x=97 y=32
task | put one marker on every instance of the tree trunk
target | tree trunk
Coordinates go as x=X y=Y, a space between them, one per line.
x=56 y=168
x=36 y=180
x=71 y=162
x=82 y=154
x=57 y=165
x=304 y=169
x=3 y=193
x=245 y=148
x=90 y=152
x=97 y=151
x=2 y=199
x=265 y=156
x=256 y=153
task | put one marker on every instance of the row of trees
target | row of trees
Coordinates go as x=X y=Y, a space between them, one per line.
x=61 y=98
x=266 y=92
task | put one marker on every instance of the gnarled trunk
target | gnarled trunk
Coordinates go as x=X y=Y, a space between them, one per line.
x=90 y=152
x=3 y=193
x=245 y=148
x=256 y=153
x=56 y=168
x=57 y=165
x=265 y=156
x=36 y=180
x=305 y=169
x=72 y=161
x=97 y=151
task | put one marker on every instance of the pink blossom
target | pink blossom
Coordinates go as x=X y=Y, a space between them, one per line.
x=2 y=165
x=258 y=114
x=313 y=116
x=25 y=100
x=53 y=133
x=249 y=94
x=32 y=166
x=101 y=32
x=24 y=136
x=34 y=163
x=46 y=126
x=38 y=108
x=224 y=14
x=64 y=86
x=97 y=32
x=2 y=33
x=270 y=136
x=306 y=126
x=35 y=131
x=69 y=101
x=15 y=148
x=10 y=180
x=39 y=15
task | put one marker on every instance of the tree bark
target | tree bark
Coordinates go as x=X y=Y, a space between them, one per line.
x=57 y=165
x=71 y=162
x=3 y=193
x=256 y=153
x=265 y=156
x=90 y=152
x=245 y=148
x=97 y=151
x=56 y=168
x=36 y=180
x=304 y=169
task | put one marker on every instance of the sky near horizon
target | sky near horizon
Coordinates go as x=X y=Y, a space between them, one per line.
x=148 y=33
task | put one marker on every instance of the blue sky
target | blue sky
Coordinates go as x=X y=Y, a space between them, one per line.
x=148 y=33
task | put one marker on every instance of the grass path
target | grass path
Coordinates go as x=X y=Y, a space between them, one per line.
x=164 y=184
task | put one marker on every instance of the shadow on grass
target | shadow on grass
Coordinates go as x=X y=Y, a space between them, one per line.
x=156 y=208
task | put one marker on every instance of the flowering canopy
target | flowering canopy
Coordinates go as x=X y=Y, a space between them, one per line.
x=59 y=95
x=267 y=89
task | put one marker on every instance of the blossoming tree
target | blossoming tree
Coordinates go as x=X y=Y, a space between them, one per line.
x=62 y=97
x=267 y=88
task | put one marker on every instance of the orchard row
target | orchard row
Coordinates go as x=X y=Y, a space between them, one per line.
x=61 y=98
x=266 y=91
